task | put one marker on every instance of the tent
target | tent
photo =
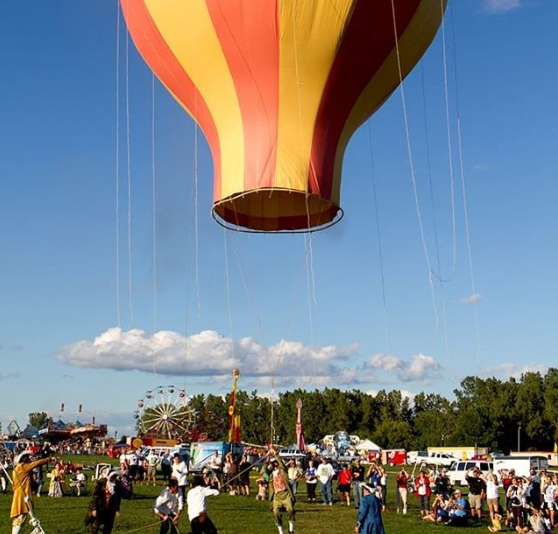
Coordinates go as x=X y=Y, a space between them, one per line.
x=367 y=445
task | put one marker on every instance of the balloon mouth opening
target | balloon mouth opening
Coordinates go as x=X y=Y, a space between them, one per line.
x=276 y=210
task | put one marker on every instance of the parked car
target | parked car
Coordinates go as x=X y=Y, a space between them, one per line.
x=458 y=471
x=438 y=459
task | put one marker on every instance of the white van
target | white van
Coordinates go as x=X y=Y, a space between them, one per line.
x=458 y=470
x=522 y=465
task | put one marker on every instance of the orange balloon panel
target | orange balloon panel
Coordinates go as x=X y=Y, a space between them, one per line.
x=279 y=87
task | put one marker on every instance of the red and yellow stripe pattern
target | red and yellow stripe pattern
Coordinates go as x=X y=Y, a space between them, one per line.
x=278 y=88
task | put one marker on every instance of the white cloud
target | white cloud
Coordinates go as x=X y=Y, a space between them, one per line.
x=500 y=6
x=420 y=368
x=208 y=353
x=505 y=371
x=471 y=299
x=211 y=356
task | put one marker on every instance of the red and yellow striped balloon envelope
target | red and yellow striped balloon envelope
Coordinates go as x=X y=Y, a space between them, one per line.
x=278 y=88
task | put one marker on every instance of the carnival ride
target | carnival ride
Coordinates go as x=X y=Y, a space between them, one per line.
x=165 y=412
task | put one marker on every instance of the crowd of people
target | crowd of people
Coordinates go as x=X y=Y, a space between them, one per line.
x=516 y=503
x=499 y=501
x=277 y=481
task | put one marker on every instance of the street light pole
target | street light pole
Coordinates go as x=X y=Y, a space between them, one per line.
x=519 y=438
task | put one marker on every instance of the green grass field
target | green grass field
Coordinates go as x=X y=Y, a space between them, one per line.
x=231 y=514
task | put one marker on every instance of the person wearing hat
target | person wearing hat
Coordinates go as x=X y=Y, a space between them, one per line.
x=458 y=510
x=281 y=497
x=105 y=504
x=477 y=492
x=369 y=519
x=22 y=501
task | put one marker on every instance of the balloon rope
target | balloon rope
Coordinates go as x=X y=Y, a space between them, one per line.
x=196 y=228
x=449 y=138
x=228 y=291
x=379 y=240
x=412 y=170
x=154 y=203
x=438 y=276
x=153 y=220
x=129 y=179
x=282 y=346
x=474 y=294
x=311 y=297
x=117 y=169
x=250 y=295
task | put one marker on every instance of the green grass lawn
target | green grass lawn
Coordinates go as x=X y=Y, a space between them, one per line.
x=231 y=514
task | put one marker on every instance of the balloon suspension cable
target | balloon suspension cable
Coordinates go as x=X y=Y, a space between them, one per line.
x=413 y=172
x=230 y=480
x=379 y=240
x=117 y=170
x=437 y=275
x=474 y=294
x=196 y=214
x=153 y=203
x=311 y=298
x=129 y=180
x=272 y=414
x=449 y=140
x=228 y=291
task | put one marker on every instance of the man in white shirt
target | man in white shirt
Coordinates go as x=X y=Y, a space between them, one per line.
x=197 y=514
x=325 y=476
x=168 y=508
x=180 y=473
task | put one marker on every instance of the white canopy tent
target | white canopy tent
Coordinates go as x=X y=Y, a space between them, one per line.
x=369 y=446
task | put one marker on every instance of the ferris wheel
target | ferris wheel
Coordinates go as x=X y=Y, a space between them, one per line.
x=165 y=412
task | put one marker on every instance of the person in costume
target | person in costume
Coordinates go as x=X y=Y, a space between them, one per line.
x=369 y=519
x=105 y=504
x=281 y=497
x=22 y=501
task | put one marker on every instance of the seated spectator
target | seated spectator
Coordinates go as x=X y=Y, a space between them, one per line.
x=536 y=524
x=496 y=525
x=439 y=511
x=78 y=483
x=457 y=510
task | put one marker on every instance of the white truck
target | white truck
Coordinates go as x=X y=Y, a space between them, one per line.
x=437 y=459
x=521 y=464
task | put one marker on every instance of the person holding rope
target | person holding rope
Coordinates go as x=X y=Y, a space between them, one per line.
x=281 y=497
x=22 y=501
x=197 y=508
x=168 y=508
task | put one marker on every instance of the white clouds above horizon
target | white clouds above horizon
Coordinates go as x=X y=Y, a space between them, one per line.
x=286 y=364
x=420 y=368
x=500 y=6
x=506 y=371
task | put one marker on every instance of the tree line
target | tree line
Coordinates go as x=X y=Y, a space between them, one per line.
x=485 y=412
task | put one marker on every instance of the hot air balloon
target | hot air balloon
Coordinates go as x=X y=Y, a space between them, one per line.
x=278 y=88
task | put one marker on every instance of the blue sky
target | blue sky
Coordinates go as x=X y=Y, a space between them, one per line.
x=301 y=311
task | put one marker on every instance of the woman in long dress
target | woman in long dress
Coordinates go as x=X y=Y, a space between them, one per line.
x=369 y=520
x=55 y=488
